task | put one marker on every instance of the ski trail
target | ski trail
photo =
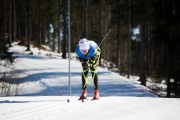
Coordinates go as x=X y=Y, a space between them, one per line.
x=107 y=108
x=44 y=109
x=40 y=108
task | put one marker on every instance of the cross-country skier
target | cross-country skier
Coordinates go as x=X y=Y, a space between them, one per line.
x=88 y=53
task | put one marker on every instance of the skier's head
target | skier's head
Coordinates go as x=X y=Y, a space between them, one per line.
x=84 y=45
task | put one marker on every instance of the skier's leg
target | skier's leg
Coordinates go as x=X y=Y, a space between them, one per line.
x=84 y=78
x=94 y=61
x=94 y=77
x=95 y=81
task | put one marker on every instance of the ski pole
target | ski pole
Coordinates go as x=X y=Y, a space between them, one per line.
x=105 y=37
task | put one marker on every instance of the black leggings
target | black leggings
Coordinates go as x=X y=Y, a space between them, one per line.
x=93 y=62
x=85 y=77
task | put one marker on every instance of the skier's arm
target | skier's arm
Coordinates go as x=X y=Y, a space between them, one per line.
x=95 y=59
x=83 y=61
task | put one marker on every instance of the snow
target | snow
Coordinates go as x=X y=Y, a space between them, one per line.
x=44 y=93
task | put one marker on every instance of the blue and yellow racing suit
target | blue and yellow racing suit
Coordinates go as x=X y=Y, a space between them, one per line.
x=90 y=60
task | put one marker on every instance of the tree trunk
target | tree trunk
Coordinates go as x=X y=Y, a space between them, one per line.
x=101 y=26
x=10 y=29
x=5 y=12
x=53 y=42
x=106 y=44
x=64 y=30
x=129 y=39
x=14 y=20
x=44 y=31
x=59 y=25
x=86 y=19
x=142 y=74
x=168 y=75
x=118 y=37
x=29 y=23
x=39 y=22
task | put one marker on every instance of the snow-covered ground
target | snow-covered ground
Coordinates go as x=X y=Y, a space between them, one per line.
x=44 y=93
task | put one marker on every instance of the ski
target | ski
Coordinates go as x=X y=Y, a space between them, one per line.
x=82 y=99
x=88 y=99
x=94 y=99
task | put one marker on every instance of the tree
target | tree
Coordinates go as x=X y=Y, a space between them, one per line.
x=59 y=24
x=64 y=3
x=10 y=22
x=14 y=21
x=29 y=24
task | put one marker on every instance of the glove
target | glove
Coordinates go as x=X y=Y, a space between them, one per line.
x=82 y=60
x=85 y=61
x=85 y=65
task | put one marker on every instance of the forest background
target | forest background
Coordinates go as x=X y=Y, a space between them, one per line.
x=144 y=38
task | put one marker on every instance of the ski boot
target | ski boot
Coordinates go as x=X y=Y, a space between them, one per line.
x=96 y=94
x=83 y=95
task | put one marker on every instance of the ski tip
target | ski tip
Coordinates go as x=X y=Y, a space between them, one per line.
x=95 y=99
x=83 y=99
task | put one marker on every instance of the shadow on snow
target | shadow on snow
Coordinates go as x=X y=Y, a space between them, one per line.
x=106 y=89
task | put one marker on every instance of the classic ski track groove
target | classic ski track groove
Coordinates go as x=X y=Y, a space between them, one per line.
x=18 y=115
x=61 y=105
